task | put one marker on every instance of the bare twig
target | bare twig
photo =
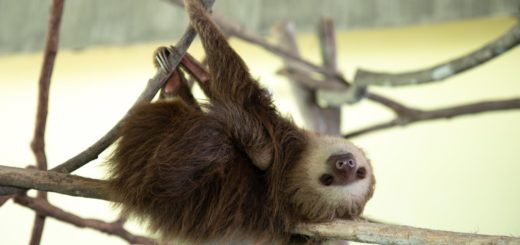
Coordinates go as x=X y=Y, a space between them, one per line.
x=311 y=83
x=399 y=109
x=445 y=70
x=367 y=232
x=116 y=228
x=51 y=181
x=408 y=115
x=38 y=142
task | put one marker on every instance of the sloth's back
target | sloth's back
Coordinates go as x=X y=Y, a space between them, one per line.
x=178 y=169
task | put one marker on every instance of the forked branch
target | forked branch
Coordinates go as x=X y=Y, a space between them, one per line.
x=116 y=228
x=38 y=142
x=406 y=115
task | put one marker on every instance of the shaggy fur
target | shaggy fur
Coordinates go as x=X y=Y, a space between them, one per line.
x=235 y=170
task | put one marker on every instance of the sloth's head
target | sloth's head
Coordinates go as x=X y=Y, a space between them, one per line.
x=333 y=180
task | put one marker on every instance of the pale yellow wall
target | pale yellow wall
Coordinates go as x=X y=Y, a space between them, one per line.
x=459 y=175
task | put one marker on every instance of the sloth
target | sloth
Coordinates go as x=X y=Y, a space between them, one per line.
x=232 y=169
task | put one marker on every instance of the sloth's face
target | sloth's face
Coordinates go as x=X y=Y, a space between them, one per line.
x=335 y=177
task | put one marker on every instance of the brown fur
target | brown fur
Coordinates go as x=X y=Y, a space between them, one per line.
x=227 y=172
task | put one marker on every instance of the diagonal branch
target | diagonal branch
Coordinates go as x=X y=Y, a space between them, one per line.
x=399 y=109
x=408 y=115
x=151 y=89
x=116 y=228
x=360 y=231
x=442 y=71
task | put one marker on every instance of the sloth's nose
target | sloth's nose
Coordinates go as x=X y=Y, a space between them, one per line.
x=346 y=164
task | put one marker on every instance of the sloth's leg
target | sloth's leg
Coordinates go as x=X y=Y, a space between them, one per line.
x=237 y=99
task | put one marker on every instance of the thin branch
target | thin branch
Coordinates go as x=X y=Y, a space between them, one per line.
x=399 y=109
x=38 y=142
x=116 y=228
x=311 y=83
x=307 y=81
x=408 y=115
x=367 y=232
x=51 y=181
x=442 y=71
x=360 y=231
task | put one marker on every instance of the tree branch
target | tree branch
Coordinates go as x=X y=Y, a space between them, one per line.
x=116 y=228
x=442 y=71
x=408 y=115
x=367 y=232
x=360 y=231
x=51 y=181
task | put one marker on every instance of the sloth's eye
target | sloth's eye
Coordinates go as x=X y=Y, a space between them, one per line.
x=361 y=173
x=326 y=179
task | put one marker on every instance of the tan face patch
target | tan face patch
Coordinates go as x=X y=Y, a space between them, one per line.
x=316 y=201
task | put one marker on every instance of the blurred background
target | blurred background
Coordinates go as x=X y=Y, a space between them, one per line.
x=459 y=175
